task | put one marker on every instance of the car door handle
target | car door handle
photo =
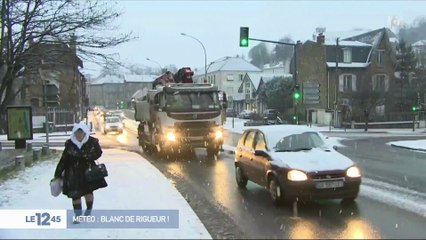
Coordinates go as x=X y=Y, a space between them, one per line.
x=251 y=159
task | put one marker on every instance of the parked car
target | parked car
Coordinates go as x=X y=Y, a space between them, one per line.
x=246 y=114
x=113 y=124
x=231 y=112
x=271 y=114
x=294 y=162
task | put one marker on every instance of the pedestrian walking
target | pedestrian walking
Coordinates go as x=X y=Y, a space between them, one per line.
x=80 y=153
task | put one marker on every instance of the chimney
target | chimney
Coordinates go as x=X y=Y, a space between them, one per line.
x=321 y=38
x=73 y=43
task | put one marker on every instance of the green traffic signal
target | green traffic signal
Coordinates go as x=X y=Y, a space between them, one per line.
x=414 y=108
x=244 y=42
x=244 y=36
x=294 y=117
x=296 y=95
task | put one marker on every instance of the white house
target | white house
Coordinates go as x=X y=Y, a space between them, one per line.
x=227 y=73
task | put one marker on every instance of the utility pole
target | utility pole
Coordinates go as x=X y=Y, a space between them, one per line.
x=336 y=85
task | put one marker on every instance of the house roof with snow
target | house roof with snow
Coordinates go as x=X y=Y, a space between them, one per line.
x=146 y=78
x=363 y=44
x=107 y=79
x=116 y=79
x=256 y=78
x=235 y=64
x=420 y=43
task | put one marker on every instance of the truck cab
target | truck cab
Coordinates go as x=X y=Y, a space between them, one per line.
x=178 y=117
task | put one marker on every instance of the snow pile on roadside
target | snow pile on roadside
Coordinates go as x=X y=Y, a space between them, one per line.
x=414 y=145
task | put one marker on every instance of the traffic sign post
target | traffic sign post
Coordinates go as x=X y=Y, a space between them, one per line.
x=311 y=93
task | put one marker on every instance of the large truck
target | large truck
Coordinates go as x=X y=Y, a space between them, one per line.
x=175 y=118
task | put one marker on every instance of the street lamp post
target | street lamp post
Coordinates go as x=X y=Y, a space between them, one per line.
x=205 y=54
x=161 y=69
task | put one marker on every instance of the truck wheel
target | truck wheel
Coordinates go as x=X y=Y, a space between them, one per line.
x=211 y=151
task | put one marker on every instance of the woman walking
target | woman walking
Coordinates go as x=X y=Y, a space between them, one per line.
x=80 y=153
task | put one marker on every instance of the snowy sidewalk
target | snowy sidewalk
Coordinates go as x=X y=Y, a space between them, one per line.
x=133 y=184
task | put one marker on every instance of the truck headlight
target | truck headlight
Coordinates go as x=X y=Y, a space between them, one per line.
x=120 y=125
x=218 y=134
x=297 y=176
x=171 y=136
x=353 y=172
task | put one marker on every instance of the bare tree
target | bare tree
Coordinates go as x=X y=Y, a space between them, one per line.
x=27 y=23
x=365 y=100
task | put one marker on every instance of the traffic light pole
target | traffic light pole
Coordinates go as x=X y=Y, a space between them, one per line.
x=47 y=111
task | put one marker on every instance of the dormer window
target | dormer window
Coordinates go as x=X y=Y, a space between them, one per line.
x=347 y=55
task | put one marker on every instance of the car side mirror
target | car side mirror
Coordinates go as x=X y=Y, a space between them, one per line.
x=261 y=153
x=335 y=147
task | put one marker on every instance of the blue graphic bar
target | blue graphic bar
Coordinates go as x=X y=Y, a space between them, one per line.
x=124 y=219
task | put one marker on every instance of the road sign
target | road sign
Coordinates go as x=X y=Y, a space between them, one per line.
x=311 y=97
x=310 y=91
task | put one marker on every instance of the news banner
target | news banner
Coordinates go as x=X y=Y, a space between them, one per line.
x=65 y=219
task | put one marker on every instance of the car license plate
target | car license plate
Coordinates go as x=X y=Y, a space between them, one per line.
x=329 y=184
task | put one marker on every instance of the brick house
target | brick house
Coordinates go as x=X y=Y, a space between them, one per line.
x=354 y=74
x=56 y=67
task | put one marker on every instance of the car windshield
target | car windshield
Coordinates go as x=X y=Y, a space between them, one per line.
x=112 y=120
x=299 y=142
x=189 y=101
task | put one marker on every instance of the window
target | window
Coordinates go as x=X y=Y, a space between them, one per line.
x=347 y=55
x=380 y=55
x=247 y=90
x=260 y=142
x=241 y=77
x=380 y=110
x=380 y=82
x=347 y=83
x=230 y=77
x=250 y=139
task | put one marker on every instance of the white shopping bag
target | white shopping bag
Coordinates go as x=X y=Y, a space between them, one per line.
x=56 y=186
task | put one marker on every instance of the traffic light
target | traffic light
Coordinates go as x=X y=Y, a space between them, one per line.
x=414 y=108
x=296 y=93
x=121 y=104
x=244 y=36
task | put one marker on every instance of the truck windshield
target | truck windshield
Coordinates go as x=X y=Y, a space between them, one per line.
x=190 y=101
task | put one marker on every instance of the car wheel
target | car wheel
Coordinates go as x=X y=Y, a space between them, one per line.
x=275 y=191
x=240 y=177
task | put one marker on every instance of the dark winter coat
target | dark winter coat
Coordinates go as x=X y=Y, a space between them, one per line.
x=73 y=164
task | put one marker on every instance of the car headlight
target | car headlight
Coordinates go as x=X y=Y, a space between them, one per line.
x=107 y=126
x=218 y=134
x=171 y=136
x=353 y=172
x=120 y=125
x=296 y=175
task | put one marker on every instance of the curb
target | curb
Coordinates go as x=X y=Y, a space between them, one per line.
x=415 y=149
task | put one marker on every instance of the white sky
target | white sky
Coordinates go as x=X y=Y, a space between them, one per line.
x=216 y=24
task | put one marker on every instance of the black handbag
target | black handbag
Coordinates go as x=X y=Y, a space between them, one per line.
x=96 y=172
